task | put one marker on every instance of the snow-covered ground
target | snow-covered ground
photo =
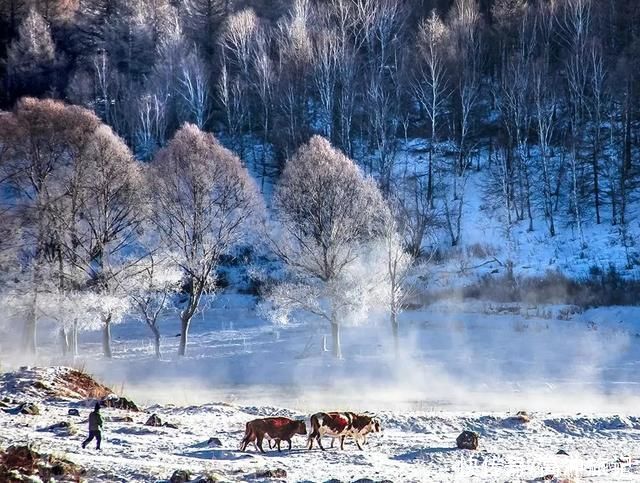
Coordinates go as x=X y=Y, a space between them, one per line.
x=414 y=446
x=462 y=367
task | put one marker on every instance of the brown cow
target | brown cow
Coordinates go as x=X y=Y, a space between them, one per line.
x=278 y=429
x=341 y=425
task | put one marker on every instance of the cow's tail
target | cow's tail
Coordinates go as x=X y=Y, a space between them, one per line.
x=247 y=437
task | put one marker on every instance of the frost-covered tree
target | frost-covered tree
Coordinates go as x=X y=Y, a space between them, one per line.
x=111 y=214
x=150 y=285
x=41 y=141
x=76 y=195
x=397 y=263
x=205 y=202
x=328 y=211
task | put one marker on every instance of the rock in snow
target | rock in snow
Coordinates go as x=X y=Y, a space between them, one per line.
x=154 y=420
x=180 y=476
x=467 y=440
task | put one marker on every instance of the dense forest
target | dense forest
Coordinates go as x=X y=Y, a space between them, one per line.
x=124 y=114
x=520 y=75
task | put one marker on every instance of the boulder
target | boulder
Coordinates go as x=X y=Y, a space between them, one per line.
x=73 y=412
x=180 y=476
x=467 y=440
x=277 y=473
x=154 y=420
x=116 y=402
x=562 y=452
x=170 y=425
x=522 y=416
x=30 y=409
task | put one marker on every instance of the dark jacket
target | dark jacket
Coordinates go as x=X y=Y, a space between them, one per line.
x=95 y=421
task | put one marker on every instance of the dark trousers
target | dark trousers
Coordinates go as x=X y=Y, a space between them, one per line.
x=93 y=434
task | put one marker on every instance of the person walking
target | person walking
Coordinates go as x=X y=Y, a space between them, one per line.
x=95 y=427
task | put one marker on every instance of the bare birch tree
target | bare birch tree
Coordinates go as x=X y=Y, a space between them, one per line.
x=194 y=89
x=431 y=85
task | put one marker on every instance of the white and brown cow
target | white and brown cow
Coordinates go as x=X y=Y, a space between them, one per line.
x=340 y=425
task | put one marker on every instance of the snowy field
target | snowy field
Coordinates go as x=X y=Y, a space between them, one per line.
x=462 y=368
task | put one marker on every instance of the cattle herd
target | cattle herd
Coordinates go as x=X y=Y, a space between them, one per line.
x=335 y=425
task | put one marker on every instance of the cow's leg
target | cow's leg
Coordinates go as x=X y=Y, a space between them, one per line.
x=312 y=436
x=289 y=441
x=342 y=438
x=357 y=442
x=278 y=442
x=332 y=440
x=259 y=443
x=319 y=439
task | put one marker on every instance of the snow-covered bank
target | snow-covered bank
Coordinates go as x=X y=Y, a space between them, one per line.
x=414 y=445
x=463 y=366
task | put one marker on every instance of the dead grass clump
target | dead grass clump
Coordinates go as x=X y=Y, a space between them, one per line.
x=81 y=385
x=17 y=462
